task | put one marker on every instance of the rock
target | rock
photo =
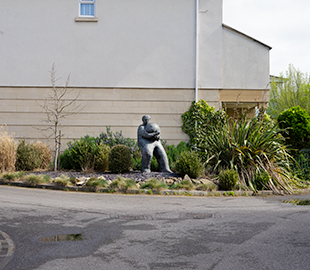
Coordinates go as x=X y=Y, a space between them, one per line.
x=102 y=177
x=82 y=181
x=187 y=178
x=210 y=184
x=206 y=181
x=196 y=182
x=177 y=180
x=109 y=182
x=169 y=181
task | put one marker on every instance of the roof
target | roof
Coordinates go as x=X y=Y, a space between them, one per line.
x=240 y=33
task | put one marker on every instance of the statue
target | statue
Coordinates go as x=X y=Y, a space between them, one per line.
x=149 y=143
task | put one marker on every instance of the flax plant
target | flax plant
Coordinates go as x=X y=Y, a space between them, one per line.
x=252 y=146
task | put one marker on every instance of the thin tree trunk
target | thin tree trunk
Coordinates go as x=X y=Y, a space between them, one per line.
x=59 y=149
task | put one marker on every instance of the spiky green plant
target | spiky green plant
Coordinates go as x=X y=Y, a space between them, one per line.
x=251 y=146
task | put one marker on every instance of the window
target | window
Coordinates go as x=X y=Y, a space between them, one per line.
x=87 y=8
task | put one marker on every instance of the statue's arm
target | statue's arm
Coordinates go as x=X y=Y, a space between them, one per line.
x=144 y=134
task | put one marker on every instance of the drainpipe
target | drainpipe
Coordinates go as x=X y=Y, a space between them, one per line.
x=197 y=52
x=197 y=58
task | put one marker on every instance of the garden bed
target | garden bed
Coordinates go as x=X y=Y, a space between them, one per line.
x=173 y=184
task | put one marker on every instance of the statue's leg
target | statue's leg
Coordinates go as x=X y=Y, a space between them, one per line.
x=162 y=159
x=147 y=154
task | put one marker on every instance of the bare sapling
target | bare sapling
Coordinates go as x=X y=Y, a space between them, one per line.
x=56 y=107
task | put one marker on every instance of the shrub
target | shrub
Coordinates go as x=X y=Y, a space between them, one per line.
x=7 y=152
x=261 y=180
x=120 y=159
x=28 y=158
x=153 y=184
x=296 y=123
x=45 y=153
x=137 y=163
x=173 y=152
x=102 y=157
x=189 y=163
x=111 y=139
x=154 y=165
x=83 y=152
x=228 y=179
x=66 y=161
x=200 y=121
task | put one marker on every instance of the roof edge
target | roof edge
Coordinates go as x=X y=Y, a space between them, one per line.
x=240 y=33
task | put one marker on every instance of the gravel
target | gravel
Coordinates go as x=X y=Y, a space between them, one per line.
x=135 y=175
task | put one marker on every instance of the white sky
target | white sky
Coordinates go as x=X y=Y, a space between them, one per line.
x=282 y=24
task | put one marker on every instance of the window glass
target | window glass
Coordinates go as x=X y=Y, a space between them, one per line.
x=87 y=8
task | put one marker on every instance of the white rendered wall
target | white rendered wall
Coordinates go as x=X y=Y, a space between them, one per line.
x=210 y=44
x=245 y=62
x=136 y=43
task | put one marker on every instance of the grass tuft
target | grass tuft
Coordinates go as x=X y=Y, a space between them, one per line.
x=8 y=148
x=154 y=184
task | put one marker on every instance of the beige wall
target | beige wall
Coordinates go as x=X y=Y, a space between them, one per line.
x=120 y=108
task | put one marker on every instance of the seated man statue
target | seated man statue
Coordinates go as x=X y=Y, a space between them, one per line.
x=149 y=143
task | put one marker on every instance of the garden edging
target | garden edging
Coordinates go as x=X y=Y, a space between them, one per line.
x=145 y=191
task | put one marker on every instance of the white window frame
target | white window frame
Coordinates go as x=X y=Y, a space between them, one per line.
x=90 y=2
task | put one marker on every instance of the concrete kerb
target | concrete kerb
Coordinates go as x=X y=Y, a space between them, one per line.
x=168 y=192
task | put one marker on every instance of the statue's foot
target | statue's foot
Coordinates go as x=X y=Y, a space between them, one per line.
x=166 y=170
x=146 y=170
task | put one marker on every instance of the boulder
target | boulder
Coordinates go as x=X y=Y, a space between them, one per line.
x=170 y=181
x=82 y=181
x=187 y=178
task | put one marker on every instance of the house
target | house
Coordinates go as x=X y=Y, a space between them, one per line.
x=126 y=59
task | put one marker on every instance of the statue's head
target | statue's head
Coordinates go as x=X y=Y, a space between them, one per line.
x=145 y=119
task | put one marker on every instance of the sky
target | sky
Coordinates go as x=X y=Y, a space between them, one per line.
x=283 y=25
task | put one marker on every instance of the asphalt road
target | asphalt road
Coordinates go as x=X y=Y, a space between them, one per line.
x=150 y=232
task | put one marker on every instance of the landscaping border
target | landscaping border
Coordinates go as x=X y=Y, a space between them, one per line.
x=168 y=192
